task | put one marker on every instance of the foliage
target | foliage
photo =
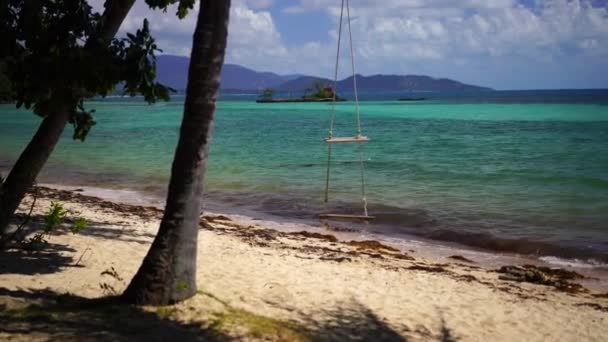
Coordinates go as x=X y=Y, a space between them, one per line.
x=267 y=94
x=182 y=8
x=53 y=220
x=250 y=324
x=80 y=224
x=55 y=58
x=166 y=311
x=322 y=92
x=54 y=216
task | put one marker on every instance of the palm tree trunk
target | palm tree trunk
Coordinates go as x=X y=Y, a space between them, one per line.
x=24 y=172
x=32 y=159
x=168 y=272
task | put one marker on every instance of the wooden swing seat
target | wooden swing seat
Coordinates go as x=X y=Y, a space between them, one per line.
x=358 y=138
x=347 y=217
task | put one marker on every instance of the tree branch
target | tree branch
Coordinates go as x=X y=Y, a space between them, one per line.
x=115 y=13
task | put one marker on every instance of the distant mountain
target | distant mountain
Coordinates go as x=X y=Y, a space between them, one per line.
x=299 y=84
x=238 y=77
x=383 y=83
x=173 y=71
x=407 y=83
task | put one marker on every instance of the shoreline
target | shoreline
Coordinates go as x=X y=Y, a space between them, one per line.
x=431 y=247
x=297 y=279
x=391 y=224
x=436 y=250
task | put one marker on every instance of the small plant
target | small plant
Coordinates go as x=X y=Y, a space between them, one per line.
x=80 y=224
x=166 y=311
x=53 y=217
x=52 y=220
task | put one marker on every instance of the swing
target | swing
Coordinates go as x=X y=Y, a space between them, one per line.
x=358 y=138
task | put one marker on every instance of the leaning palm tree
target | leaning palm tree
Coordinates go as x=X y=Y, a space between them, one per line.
x=168 y=272
x=57 y=101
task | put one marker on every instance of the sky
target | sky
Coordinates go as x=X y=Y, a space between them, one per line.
x=503 y=44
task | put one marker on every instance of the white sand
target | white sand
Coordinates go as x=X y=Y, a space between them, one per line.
x=285 y=278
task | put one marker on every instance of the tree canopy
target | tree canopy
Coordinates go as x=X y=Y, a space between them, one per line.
x=53 y=53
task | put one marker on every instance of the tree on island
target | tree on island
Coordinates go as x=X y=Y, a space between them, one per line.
x=168 y=272
x=267 y=94
x=56 y=55
x=323 y=91
x=306 y=91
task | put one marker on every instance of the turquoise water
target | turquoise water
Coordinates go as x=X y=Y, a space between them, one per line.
x=521 y=177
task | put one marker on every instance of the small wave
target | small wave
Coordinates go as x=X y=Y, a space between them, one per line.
x=516 y=245
x=576 y=263
x=397 y=221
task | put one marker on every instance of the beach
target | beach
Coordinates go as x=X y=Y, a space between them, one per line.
x=274 y=280
x=490 y=215
x=213 y=175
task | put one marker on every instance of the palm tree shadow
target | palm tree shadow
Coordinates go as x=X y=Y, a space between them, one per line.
x=352 y=322
x=97 y=229
x=446 y=333
x=69 y=317
x=48 y=258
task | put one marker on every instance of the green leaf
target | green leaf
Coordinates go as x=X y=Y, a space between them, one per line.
x=79 y=224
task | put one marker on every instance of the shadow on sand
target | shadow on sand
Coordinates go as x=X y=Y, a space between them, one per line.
x=64 y=317
x=48 y=315
x=55 y=316
x=50 y=257
x=352 y=322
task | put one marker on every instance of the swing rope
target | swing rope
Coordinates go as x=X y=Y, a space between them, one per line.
x=332 y=116
x=357 y=108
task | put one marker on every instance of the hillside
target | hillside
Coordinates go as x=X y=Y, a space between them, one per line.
x=173 y=71
x=407 y=83
x=301 y=83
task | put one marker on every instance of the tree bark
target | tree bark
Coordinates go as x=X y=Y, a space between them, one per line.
x=29 y=164
x=168 y=272
x=115 y=13
x=32 y=159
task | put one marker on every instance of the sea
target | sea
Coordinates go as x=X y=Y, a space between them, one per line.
x=514 y=172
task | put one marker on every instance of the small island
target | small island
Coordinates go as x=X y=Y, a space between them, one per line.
x=323 y=93
x=412 y=99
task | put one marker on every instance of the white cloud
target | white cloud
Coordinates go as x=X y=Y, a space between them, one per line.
x=259 y=4
x=438 y=37
x=252 y=33
x=399 y=32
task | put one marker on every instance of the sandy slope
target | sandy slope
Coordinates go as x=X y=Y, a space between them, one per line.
x=339 y=289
